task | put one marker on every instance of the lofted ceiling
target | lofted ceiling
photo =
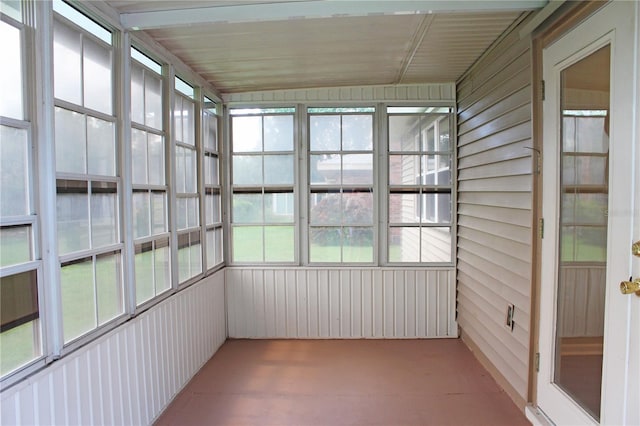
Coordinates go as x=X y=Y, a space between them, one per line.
x=243 y=45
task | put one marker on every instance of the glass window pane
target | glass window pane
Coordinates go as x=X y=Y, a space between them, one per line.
x=153 y=100
x=188 y=122
x=181 y=213
x=325 y=244
x=278 y=207
x=404 y=133
x=325 y=169
x=144 y=272
x=247 y=208
x=67 y=57
x=212 y=207
x=25 y=346
x=218 y=242
x=357 y=132
x=404 y=244
x=78 y=298
x=404 y=208
x=139 y=156
x=279 y=243
x=14 y=172
x=278 y=133
x=436 y=245
x=247 y=170
x=445 y=139
x=156 y=159
x=158 y=212
x=184 y=252
x=325 y=208
x=211 y=174
x=278 y=169
x=70 y=141
x=193 y=212
x=11 y=84
x=247 y=134
x=358 y=245
x=357 y=208
x=248 y=243
x=104 y=214
x=177 y=118
x=137 y=94
x=325 y=132
x=210 y=132
x=162 y=261
x=109 y=285
x=15 y=245
x=590 y=135
x=357 y=169
x=141 y=214
x=98 y=91
x=181 y=177
x=195 y=253
x=435 y=208
x=211 y=248
x=404 y=170
x=591 y=209
x=101 y=147
x=190 y=171
x=72 y=205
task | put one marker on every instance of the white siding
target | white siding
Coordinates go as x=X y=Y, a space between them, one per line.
x=495 y=185
x=130 y=375
x=340 y=303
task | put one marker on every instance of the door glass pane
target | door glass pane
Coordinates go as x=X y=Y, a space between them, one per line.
x=583 y=220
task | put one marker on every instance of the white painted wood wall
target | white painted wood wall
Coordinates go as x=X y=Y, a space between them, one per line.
x=128 y=376
x=340 y=302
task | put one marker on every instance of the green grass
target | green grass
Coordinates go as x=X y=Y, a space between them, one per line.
x=18 y=346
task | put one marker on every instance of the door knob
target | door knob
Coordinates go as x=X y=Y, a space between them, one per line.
x=628 y=287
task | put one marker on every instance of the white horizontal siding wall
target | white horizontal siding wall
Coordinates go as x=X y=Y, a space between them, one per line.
x=495 y=183
x=340 y=303
x=130 y=375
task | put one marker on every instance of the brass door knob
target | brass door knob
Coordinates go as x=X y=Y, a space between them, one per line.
x=628 y=287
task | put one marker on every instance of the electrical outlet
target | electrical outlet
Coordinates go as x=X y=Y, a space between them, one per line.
x=510 y=312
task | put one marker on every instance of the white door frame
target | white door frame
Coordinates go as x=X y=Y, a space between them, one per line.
x=614 y=24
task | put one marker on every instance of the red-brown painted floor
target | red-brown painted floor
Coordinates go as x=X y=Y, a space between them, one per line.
x=342 y=382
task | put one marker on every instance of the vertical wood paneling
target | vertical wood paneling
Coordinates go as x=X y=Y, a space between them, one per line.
x=341 y=303
x=495 y=207
x=581 y=294
x=128 y=376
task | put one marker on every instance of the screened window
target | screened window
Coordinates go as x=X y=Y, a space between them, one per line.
x=150 y=213
x=420 y=182
x=341 y=202
x=20 y=326
x=212 y=184
x=88 y=181
x=263 y=190
x=186 y=171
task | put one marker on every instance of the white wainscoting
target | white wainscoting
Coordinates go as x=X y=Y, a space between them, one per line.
x=582 y=292
x=128 y=376
x=340 y=302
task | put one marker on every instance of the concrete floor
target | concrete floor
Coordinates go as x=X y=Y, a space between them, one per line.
x=342 y=382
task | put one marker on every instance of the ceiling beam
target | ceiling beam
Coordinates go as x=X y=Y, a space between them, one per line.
x=308 y=9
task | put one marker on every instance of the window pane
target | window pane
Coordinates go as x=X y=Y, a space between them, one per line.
x=190 y=171
x=196 y=254
x=72 y=204
x=24 y=344
x=590 y=135
x=357 y=169
x=15 y=245
x=404 y=208
x=177 y=118
x=156 y=159
x=404 y=133
x=109 y=284
x=139 y=156
x=14 y=172
x=137 y=94
x=436 y=245
x=211 y=175
x=218 y=242
x=435 y=208
x=144 y=272
x=357 y=132
x=278 y=207
x=153 y=101
x=247 y=134
x=67 y=57
x=193 y=212
x=162 y=261
x=158 y=212
x=325 y=244
x=325 y=208
x=325 y=169
x=248 y=245
x=12 y=8
x=181 y=178
x=181 y=213
x=279 y=243
x=70 y=140
x=212 y=207
x=357 y=208
x=445 y=139
x=278 y=169
x=357 y=245
x=104 y=214
x=211 y=248
x=184 y=267
x=247 y=208
x=278 y=133
x=404 y=170
x=11 y=72
x=141 y=217
x=210 y=132
x=247 y=170
x=404 y=244
x=101 y=147
x=78 y=298
x=325 y=132
x=97 y=77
